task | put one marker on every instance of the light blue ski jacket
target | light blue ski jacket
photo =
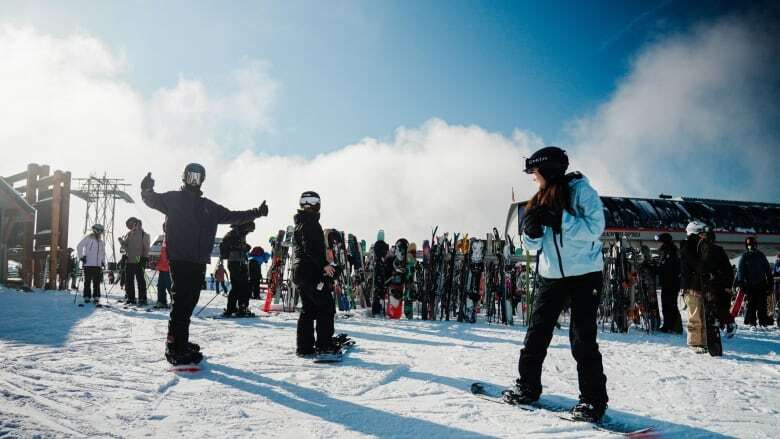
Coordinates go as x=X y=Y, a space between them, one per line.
x=577 y=250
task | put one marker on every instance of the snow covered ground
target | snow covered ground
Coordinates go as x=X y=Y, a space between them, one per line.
x=74 y=372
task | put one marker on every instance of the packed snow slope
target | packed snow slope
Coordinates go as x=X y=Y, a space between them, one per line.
x=75 y=372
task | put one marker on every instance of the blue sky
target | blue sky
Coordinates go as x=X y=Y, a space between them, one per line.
x=402 y=114
x=349 y=70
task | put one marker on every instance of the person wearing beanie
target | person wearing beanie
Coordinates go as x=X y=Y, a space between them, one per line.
x=754 y=275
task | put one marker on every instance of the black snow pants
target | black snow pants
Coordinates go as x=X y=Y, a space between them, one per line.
x=756 y=309
x=187 y=280
x=672 y=318
x=238 y=298
x=135 y=272
x=316 y=306
x=93 y=276
x=584 y=293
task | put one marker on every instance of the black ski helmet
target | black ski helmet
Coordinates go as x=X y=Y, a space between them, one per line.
x=551 y=161
x=246 y=227
x=664 y=238
x=310 y=200
x=193 y=175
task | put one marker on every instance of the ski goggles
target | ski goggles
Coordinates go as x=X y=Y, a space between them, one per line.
x=309 y=201
x=193 y=178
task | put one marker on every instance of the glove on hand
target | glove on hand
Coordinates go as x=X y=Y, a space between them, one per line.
x=147 y=183
x=532 y=225
x=551 y=218
x=262 y=210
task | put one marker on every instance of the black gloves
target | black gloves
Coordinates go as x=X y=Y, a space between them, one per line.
x=532 y=225
x=551 y=218
x=147 y=183
x=262 y=210
x=537 y=217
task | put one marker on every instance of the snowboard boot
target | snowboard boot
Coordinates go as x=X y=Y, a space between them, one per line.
x=244 y=312
x=227 y=313
x=186 y=356
x=731 y=329
x=193 y=347
x=585 y=411
x=699 y=349
x=520 y=394
x=160 y=305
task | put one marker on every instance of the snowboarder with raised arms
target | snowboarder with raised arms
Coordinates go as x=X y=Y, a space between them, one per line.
x=563 y=222
x=313 y=276
x=191 y=228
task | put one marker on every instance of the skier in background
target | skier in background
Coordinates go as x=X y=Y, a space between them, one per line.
x=313 y=278
x=776 y=275
x=92 y=254
x=718 y=277
x=669 y=277
x=163 y=275
x=257 y=257
x=234 y=248
x=191 y=228
x=754 y=275
x=570 y=270
x=690 y=269
x=136 y=246
x=219 y=276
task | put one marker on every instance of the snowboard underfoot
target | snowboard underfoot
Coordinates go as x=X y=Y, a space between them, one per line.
x=185 y=368
x=486 y=392
x=221 y=317
x=336 y=357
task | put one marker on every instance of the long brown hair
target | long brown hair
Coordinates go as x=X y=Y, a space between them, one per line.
x=555 y=195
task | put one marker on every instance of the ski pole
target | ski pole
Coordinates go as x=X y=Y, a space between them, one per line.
x=204 y=306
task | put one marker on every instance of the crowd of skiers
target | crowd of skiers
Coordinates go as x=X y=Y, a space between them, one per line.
x=569 y=268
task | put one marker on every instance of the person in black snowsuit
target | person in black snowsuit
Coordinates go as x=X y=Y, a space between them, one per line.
x=234 y=248
x=313 y=278
x=717 y=277
x=669 y=277
x=255 y=278
x=191 y=227
x=563 y=223
x=754 y=275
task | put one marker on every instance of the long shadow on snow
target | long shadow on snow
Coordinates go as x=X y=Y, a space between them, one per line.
x=561 y=404
x=353 y=416
x=741 y=343
x=445 y=329
x=41 y=318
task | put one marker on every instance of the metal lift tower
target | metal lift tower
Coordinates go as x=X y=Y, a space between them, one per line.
x=101 y=194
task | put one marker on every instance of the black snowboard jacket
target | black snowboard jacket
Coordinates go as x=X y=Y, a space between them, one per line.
x=309 y=248
x=669 y=267
x=753 y=270
x=192 y=222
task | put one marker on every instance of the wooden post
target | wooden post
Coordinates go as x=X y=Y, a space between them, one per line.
x=28 y=266
x=54 y=250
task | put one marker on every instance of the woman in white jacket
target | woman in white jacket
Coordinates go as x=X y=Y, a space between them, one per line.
x=92 y=253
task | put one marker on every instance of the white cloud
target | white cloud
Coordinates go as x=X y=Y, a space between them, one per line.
x=690 y=101
x=75 y=112
x=693 y=116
